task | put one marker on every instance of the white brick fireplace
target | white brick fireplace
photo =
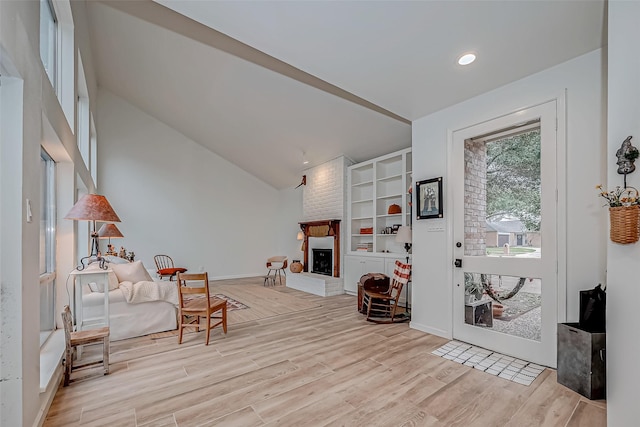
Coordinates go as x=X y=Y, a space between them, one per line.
x=323 y=200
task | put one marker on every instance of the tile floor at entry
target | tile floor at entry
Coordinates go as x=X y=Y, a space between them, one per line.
x=507 y=367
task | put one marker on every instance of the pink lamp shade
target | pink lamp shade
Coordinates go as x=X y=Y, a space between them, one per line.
x=109 y=231
x=93 y=207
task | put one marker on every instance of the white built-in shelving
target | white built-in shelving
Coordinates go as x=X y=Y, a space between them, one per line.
x=374 y=186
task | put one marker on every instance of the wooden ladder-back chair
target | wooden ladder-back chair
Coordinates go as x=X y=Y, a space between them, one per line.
x=277 y=264
x=75 y=339
x=195 y=302
x=165 y=267
x=382 y=306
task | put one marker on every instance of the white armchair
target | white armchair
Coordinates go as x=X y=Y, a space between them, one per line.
x=277 y=264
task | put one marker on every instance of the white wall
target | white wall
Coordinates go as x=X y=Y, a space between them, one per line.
x=623 y=261
x=586 y=225
x=175 y=197
x=290 y=214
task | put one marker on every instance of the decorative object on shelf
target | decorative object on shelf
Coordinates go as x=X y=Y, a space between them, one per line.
x=394 y=209
x=395 y=228
x=107 y=231
x=93 y=207
x=429 y=197
x=627 y=155
x=624 y=214
x=366 y=230
x=404 y=236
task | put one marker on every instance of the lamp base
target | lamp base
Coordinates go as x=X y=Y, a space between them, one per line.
x=407 y=247
x=90 y=260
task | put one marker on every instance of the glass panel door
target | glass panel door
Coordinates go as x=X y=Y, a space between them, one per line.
x=505 y=292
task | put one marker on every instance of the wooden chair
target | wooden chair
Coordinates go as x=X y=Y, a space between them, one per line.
x=382 y=306
x=75 y=339
x=165 y=267
x=277 y=264
x=195 y=302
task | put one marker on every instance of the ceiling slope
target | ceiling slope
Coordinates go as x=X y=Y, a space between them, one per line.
x=258 y=119
x=401 y=55
x=259 y=82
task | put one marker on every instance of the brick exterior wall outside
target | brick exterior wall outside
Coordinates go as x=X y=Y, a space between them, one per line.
x=475 y=198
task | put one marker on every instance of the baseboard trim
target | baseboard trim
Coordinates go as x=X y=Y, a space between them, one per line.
x=430 y=330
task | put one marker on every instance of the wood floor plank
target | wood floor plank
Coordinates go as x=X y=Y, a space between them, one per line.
x=294 y=359
x=168 y=421
x=245 y=417
x=214 y=407
x=588 y=414
x=125 y=418
x=549 y=405
x=193 y=393
x=333 y=407
x=274 y=407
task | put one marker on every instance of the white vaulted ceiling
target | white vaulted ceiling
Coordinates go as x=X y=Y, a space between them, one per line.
x=327 y=78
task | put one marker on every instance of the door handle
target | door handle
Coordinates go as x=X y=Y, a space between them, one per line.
x=458 y=263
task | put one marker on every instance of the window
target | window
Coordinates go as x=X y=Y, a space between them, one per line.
x=82 y=135
x=47 y=247
x=93 y=151
x=49 y=40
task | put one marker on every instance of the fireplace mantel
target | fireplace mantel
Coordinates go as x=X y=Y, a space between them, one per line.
x=333 y=231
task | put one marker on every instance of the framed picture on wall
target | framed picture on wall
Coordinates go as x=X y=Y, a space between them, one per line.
x=429 y=198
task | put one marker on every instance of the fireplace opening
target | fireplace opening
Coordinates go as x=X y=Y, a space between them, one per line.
x=322 y=261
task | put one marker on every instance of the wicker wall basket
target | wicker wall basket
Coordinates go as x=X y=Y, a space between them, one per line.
x=624 y=224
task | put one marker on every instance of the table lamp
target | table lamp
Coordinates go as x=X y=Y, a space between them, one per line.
x=404 y=236
x=107 y=231
x=93 y=207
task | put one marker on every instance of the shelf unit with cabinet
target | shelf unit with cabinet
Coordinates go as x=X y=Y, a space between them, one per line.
x=374 y=186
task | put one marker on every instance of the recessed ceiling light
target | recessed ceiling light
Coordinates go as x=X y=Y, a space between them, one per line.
x=467 y=59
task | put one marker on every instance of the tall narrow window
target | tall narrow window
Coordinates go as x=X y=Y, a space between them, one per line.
x=47 y=247
x=49 y=40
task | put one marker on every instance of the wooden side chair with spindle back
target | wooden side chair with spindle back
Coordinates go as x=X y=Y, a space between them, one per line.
x=166 y=268
x=74 y=339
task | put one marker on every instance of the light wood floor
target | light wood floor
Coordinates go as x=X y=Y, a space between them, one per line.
x=295 y=359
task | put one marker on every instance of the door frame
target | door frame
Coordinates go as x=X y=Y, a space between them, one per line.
x=561 y=200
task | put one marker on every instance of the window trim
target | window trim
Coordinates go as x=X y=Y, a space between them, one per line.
x=56 y=48
x=49 y=276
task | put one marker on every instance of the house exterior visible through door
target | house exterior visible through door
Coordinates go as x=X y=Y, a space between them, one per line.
x=504 y=185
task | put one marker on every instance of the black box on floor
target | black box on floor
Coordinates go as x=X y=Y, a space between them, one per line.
x=581 y=360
